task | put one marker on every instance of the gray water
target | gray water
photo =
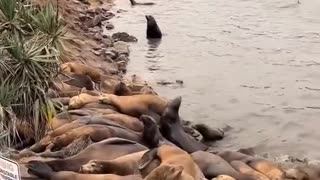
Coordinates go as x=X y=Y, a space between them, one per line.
x=251 y=64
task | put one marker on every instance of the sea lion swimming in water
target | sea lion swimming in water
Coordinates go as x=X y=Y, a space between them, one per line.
x=171 y=128
x=153 y=30
x=133 y=3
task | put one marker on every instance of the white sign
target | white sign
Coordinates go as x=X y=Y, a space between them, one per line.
x=9 y=170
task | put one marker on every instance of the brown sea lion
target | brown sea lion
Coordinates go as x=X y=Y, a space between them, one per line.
x=82 y=99
x=208 y=133
x=104 y=150
x=153 y=30
x=124 y=165
x=136 y=105
x=212 y=166
x=263 y=166
x=171 y=128
x=44 y=171
x=223 y=177
x=83 y=69
x=245 y=169
x=173 y=156
x=96 y=132
x=166 y=172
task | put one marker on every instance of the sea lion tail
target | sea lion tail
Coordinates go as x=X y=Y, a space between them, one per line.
x=147 y=158
x=40 y=169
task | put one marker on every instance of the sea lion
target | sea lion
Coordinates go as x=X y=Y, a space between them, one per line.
x=78 y=80
x=44 y=171
x=104 y=150
x=245 y=169
x=153 y=30
x=125 y=120
x=171 y=128
x=82 y=99
x=96 y=132
x=124 y=165
x=166 y=172
x=208 y=133
x=136 y=105
x=173 y=156
x=223 y=177
x=263 y=166
x=83 y=69
x=212 y=166
x=133 y=3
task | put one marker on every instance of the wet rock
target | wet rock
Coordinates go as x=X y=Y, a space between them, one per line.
x=122 y=66
x=109 y=26
x=107 y=40
x=179 y=81
x=121 y=58
x=111 y=53
x=164 y=82
x=98 y=37
x=122 y=48
x=123 y=36
x=97 y=20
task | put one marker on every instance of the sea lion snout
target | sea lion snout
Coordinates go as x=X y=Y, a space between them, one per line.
x=90 y=167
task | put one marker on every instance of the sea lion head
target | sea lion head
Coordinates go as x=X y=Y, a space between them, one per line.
x=92 y=167
x=151 y=133
x=151 y=21
x=75 y=102
x=165 y=172
x=171 y=112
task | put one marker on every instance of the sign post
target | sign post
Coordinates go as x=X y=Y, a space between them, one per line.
x=9 y=170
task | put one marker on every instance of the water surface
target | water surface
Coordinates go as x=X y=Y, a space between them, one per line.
x=253 y=65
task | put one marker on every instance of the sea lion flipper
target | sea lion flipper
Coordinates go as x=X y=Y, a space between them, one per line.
x=147 y=158
x=40 y=169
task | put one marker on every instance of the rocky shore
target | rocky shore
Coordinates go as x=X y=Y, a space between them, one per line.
x=101 y=107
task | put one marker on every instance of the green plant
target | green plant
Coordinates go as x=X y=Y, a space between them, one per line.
x=31 y=40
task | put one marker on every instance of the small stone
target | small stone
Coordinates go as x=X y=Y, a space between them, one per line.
x=98 y=53
x=123 y=36
x=111 y=53
x=97 y=20
x=98 y=37
x=122 y=48
x=179 y=81
x=163 y=82
x=109 y=26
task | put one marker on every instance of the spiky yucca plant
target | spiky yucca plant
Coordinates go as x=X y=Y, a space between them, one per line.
x=30 y=46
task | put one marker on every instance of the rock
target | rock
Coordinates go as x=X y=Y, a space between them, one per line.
x=98 y=37
x=121 y=11
x=122 y=48
x=163 y=82
x=85 y=2
x=121 y=58
x=98 y=53
x=122 y=66
x=123 y=36
x=111 y=53
x=109 y=26
x=97 y=20
x=107 y=40
x=179 y=81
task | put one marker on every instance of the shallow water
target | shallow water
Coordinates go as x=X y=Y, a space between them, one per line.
x=253 y=65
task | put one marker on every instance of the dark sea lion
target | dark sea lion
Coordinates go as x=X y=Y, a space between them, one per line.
x=243 y=168
x=125 y=120
x=44 y=171
x=212 y=166
x=153 y=30
x=136 y=105
x=173 y=156
x=133 y=3
x=171 y=128
x=208 y=133
x=124 y=165
x=83 y=69
x=79 y=80
x=104 y=150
